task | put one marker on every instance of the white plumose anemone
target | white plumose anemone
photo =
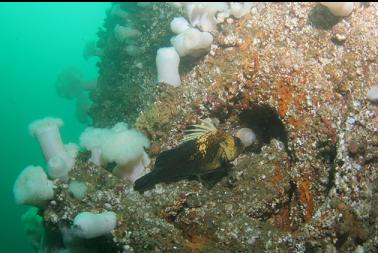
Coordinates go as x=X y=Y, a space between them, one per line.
x=56 y=168
x=123 y=33
x=372 y=94
x=341 y=9
x=120 y=127
x=69 y=83
x=92 y=139
x=192 y=42
x=239 y=10
x=206 y=15
x=247 y=136
x=167 y=63
x=72 y=149
x=90 y=225
x=126 y=149
x=202 y=15
x=134 y=169
x=120 y=145
x=179 y=25
x=33 y=188
x=124 y=146
x=117 y=11
x=47 y=133
x=78 y=189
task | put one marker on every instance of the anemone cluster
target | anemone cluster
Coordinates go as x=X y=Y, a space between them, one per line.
x=120 y=145
x=194 y=39
x=70 y=85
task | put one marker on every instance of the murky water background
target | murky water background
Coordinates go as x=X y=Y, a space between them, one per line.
x=38 y=40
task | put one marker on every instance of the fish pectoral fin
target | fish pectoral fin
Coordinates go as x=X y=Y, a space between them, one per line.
x=211 y=178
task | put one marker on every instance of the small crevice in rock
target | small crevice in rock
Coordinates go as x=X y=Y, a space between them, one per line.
x=328 y=152
x=320 y=17
x=266 y=123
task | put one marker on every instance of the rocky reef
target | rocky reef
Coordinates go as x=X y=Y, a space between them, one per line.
x=295 y=74
x=129 y=76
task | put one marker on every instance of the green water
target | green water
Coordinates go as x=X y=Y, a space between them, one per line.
x=37 y=41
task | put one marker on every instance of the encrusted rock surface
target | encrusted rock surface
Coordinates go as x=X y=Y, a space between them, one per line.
x=126 y=81
x=297 y=76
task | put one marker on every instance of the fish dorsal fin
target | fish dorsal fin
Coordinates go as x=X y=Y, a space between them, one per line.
x=199 y=130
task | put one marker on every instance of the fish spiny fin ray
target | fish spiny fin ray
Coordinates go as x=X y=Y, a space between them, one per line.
x=199 y=130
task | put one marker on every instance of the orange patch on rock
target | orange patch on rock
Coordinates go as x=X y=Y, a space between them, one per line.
x=246 y=43
x=306 y=198
x=277 y=175
x=281 y=220
x=216 y=87
x=245 y=101
x=155 y=149
x=196 y=243
x=256 y=62
x=296 y=123
x=242 y=22
x=284 y=97
x=298 y=100
x=330 y=130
